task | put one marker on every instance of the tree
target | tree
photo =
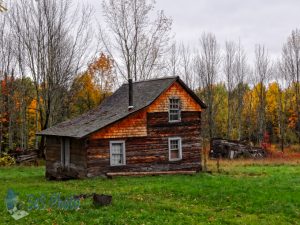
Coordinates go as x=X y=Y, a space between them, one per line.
x=262 y=74
x=93 y=86
x=102 y=72
x=2 y=8
x=53 y=43
x=7 y=69
x=229 y=62
x=241 y=70
x=187 y=73
x=273 y=108
x=207 y=64
x=173 y=61
x=85 y=94
x=290 y=66
x=138 y=42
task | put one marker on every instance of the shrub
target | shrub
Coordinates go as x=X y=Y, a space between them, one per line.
x=6 y=160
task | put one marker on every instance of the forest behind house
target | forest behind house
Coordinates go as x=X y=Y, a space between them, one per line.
x=57 y=62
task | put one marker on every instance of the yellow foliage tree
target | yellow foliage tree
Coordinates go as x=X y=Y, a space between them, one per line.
x=92 y=87
x=272 y=111
x=86 y=95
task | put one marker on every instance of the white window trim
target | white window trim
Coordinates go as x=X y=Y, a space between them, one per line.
x=124 y=152
x=180 y=148
x=174 y=121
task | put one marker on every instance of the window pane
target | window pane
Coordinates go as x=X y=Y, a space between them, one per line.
x=174 y=103
x=117 y=148
x=174 y=154
x=174 y=109
x=174 y=117
x=174 y=144
x=117 y=153
x=175 y=148
x=115 y=159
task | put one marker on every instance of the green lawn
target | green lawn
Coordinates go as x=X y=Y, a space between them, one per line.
x=242 y=194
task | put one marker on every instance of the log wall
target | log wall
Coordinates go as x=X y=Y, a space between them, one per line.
x=151 y=153
x=145 y=133
x=135 y=125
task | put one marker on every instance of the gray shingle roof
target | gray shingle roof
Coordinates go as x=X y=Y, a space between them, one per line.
x=115 y=108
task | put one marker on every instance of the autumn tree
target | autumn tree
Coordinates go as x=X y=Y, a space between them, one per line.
x=261 y=75
x=93 y=86
x=7 y=70
x=103 y=73
x=241 y=70
x=85 y=94
x=228 y=68
x=54 y=42
x=273 y=108
x=291 y=68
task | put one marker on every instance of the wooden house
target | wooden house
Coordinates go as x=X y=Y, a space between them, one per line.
x=148 y=126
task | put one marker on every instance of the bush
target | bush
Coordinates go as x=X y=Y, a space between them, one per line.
x=6 y=160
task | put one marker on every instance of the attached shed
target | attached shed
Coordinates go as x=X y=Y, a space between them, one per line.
x=158 y=131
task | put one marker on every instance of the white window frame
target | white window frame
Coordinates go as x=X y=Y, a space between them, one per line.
x=124 y=152
x=180 y=148
x=179 y=110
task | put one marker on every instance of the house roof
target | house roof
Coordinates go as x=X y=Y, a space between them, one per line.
x=115 y=108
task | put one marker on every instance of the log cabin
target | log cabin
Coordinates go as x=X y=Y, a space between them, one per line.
x=145 y=127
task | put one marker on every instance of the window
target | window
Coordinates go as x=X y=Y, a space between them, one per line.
x=117 y=153
x=174 y=109
x=175 y=150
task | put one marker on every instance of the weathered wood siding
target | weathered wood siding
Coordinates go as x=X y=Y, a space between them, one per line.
x=135 y=125
x=151 y=153
x=146 y=136
x=161 y=104
x=78 y=162
x=52 y=155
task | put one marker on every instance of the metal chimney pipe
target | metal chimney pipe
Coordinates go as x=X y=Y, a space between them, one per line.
x=130 y=88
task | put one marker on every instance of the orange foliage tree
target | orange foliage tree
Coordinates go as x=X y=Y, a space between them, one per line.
x=93 y=86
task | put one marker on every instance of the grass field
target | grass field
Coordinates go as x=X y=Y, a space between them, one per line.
x=242 y=193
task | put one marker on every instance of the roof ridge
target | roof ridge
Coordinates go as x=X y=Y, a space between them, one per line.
x=154 y=79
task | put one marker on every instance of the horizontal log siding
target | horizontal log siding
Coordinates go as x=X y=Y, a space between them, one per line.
x=135 y=125
x=145 y=133
x=151 y=153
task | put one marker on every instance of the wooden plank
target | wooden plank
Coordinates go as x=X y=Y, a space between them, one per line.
x=150 y=154
x=114 y=174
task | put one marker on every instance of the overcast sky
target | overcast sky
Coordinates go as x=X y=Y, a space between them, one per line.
x=267 y=22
